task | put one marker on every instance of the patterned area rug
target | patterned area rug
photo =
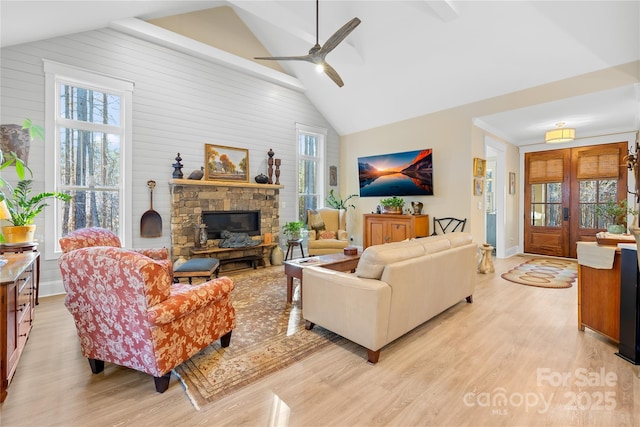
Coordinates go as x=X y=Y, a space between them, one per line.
x=269 y=336
x=544 y=273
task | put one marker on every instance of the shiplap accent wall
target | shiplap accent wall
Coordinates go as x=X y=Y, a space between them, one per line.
x=180 y=103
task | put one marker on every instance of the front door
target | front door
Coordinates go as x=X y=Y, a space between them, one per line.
x=562 y=190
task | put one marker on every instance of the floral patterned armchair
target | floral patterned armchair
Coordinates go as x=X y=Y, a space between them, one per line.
x=129 y=312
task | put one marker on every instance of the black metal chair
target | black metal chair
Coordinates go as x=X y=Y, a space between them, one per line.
x=448 y=225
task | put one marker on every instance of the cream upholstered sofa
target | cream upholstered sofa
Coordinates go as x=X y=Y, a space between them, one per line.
x=327 y=231
x=396 y=287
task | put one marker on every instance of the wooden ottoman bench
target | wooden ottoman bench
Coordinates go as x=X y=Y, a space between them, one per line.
x=197 y=267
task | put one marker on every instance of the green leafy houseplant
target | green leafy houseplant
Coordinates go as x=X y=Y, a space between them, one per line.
x=615 y=215
x=336 y=202
x=394 y=202
x=23 y=207
x=294 y=229
x=392 y=205
x=20 y=204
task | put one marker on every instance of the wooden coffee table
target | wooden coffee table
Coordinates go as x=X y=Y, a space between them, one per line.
x=338 y=261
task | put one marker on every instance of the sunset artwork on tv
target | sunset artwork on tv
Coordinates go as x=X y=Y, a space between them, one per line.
x=399 y=174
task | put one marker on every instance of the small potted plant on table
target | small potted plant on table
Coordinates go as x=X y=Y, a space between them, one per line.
x=294 y=230
x=392 y=205
x=614 y=214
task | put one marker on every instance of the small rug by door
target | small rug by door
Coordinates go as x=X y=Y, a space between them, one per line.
x=269 y=336
x=544 y=273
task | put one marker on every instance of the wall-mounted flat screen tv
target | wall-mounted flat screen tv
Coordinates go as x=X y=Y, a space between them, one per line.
x=399 y=174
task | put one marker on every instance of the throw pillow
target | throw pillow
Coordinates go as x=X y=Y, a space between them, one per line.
x=315 y=220
x=328 y=234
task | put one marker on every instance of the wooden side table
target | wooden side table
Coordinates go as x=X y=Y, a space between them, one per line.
x=18 y=248
x=486 y=263
x=292 y=244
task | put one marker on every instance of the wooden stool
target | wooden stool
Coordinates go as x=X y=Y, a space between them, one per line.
x=292 y=244
x=197 y=267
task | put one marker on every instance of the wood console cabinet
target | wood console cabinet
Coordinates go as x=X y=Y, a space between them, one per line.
x=17 y=306
x=387 y=228
x=599 y=299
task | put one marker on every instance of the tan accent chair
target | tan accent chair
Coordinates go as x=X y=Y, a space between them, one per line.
x=334 y=220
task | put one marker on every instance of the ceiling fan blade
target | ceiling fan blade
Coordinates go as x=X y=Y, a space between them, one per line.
x=339 y=35
x=286 y=58
x=333 y=74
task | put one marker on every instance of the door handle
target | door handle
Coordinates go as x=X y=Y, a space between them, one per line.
x=565 y=214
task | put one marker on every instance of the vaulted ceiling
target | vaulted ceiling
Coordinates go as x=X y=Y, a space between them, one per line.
x=406 y=58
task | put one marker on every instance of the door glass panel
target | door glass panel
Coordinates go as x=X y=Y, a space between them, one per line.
x=592 y=193
x=546 y=204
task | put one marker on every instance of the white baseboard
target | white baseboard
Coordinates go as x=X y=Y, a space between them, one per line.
x=54 y=287
x=509 y=252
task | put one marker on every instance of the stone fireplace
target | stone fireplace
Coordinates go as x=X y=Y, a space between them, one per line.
x=190 y=198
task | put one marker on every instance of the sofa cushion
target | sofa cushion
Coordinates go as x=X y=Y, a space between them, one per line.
x=460 y=239
x=375 y=258
x=315 y=221
x=327 y=234
x=435 y=244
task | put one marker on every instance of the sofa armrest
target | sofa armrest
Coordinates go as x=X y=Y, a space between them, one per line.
x=353 y=307
x=186 y=298
x=154 y=253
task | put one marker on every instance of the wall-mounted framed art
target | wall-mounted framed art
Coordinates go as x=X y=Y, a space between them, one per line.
x=399 y=174
x=478 y=186
x=512 y=183
x=479 y=166
x=333 y=175
x=226 y=163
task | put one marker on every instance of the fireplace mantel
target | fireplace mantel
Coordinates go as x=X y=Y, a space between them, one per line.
x=187 y=182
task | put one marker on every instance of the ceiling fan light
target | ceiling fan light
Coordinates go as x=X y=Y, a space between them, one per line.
x=559 y=135
x=320 y=68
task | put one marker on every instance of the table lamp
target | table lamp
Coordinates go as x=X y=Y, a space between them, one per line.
x=4 y=214
x=4 y=211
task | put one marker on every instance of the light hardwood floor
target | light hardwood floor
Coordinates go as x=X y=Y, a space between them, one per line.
x=514 y=342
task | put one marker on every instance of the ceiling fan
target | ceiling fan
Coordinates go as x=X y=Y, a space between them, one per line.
x=317 y=53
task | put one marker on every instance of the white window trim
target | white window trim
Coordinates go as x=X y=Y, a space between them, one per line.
x=55 y=72
x=302 y=128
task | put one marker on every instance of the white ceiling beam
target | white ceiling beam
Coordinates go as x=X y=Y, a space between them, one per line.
x=155 y=34
x=445 y=9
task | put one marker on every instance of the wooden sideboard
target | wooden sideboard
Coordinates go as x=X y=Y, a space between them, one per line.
x=17 y=307
x=387 y=228
x=599 y=299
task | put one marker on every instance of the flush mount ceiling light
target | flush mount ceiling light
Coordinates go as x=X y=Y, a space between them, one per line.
x=560 y=134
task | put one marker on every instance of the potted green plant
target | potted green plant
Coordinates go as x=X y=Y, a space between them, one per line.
x=18 y=204
x=615 y=214
x=392 y=205
x=23 y=209
x=294 y=230
x=336 y=202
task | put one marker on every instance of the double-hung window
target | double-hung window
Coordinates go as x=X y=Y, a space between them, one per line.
x=87 y=132
x=311 y=154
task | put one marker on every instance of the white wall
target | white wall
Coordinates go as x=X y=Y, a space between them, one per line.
x=180 y=103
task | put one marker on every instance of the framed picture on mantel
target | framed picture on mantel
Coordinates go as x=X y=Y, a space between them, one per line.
x=226 y=163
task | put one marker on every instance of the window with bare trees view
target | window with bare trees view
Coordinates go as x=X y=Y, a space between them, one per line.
x=89 y=136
